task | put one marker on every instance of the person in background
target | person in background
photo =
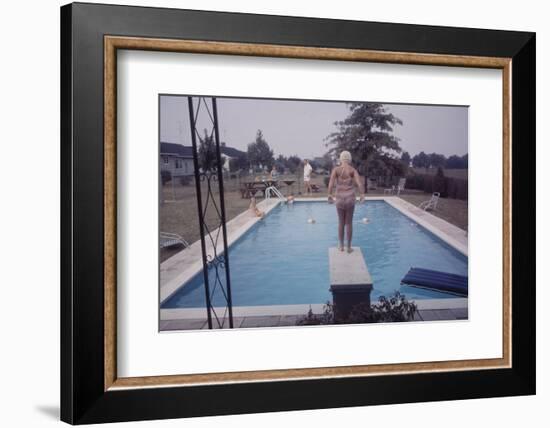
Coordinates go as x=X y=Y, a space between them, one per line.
x=254 y=210
x=307 y=176
x=343 y=178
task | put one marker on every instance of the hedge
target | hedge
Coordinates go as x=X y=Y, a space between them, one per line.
x=448 y=187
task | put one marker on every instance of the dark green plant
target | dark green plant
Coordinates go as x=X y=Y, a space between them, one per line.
x=367 y=133
x=166 y=176
x=395 y=308
x=185 y=180
x=439 y=183
x=327 y=317
x=207 y=153
x=259 y=152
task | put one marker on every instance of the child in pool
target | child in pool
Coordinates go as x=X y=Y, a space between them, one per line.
x=254 y=210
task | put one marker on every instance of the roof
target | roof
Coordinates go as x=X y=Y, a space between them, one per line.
x=176 y=149
x=231 y=152
x=187 y=151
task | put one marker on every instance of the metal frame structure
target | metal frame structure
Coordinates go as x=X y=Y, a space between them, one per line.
x=211 y=173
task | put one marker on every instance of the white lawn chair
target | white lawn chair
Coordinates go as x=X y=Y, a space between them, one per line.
x=401 y=185
x=396 y=188
x=371 y=184
x=430 y=204
x=171 y=240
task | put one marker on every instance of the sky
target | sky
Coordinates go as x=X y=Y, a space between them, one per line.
x=300 y=127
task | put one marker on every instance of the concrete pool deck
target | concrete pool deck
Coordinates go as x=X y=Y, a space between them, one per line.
x=176 y=271
x=288 y=315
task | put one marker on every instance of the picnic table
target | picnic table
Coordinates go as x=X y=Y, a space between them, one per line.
x=288 y=184
x=250 y=188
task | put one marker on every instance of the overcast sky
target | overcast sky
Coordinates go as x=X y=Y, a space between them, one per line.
x=300 y=127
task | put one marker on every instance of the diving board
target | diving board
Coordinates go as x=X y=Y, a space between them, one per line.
x=436 y=280
x=350 y=280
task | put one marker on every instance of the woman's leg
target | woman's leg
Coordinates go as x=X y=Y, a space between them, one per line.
x=349 y=225
x=341 y=223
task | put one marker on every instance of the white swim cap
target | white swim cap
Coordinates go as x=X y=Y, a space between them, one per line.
x=345 y=156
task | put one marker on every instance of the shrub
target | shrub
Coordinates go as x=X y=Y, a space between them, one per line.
x=327 y=317
x=395 y=308
x=165 y=176
x=450 y=187
x=439 y=184
x=185 y=180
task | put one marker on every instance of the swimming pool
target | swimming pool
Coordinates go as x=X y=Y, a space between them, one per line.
x=283 y=260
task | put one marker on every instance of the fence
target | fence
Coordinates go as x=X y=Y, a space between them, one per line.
x=448 y=187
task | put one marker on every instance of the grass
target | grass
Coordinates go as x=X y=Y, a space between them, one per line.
x=455 y=211
x=179 y=212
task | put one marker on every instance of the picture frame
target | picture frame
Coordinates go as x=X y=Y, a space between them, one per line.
x=91 y=391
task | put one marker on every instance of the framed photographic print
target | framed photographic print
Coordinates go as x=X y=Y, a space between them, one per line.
x=273 y=213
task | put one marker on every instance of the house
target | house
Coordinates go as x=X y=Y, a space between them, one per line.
x=177 y=159
x=230 y=153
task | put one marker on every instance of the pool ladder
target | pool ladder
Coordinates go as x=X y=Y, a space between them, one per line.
x=276 y=192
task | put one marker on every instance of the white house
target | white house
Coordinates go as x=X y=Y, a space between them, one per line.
x=230 y=153
x=178 y=159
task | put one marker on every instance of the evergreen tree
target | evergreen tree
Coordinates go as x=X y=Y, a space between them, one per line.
x=259 y=152
x=367 y=134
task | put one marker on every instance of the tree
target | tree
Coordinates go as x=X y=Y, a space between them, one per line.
x=238 y=163
x=421 y=160
x=367 y=134
x=280 y=163
x=327 y=162
x=456 y=162
x=406 y=158
x=293 y=163
x=259 y=152
x=436 y=160
x=465 y=160
x=439 y=182
x=207 y=153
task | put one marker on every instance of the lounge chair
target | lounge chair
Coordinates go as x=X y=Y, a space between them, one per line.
x=168 y=240
x=371 y=184
x=430 y=204
x=396 y=188
x=436 y=280
x=400 y=185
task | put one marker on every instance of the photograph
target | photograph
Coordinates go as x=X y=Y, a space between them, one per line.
x=294 y=213
x=264 y=211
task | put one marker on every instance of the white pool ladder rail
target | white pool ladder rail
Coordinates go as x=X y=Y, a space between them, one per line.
x=273 y=191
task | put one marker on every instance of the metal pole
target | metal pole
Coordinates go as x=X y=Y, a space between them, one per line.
x=222 y=209
x=199 y=204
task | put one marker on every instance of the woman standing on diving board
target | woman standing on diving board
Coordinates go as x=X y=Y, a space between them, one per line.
x=343 y=178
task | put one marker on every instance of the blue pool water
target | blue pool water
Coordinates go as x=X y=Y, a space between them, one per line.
x=284 y=260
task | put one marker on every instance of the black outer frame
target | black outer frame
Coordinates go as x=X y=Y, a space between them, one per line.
x=83 y=399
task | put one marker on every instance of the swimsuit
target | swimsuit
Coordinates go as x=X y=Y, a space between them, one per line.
x=345 y=193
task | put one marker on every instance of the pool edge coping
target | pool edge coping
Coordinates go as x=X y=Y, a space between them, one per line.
x=300 y=309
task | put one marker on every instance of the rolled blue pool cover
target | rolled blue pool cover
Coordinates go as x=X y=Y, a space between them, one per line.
x=436 y=280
